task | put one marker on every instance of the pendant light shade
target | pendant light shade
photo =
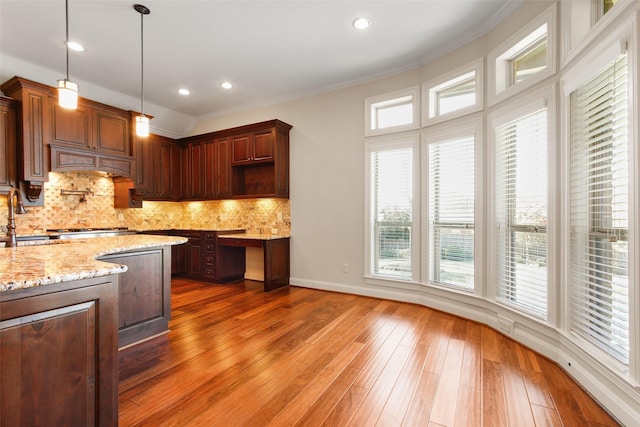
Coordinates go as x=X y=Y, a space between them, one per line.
x=67 y=90
x=142 y=121
x=67 y=94
x=142 y=125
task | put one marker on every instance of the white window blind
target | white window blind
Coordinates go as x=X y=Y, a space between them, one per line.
x=521 y=213
x=391 y=212
x=451 y=211
x=599 y=223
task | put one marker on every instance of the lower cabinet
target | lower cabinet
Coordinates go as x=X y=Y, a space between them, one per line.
x=144 y=293
x=202 y=259
x=59 y=354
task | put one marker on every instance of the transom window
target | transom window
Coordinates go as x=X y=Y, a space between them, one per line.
x=392 y=112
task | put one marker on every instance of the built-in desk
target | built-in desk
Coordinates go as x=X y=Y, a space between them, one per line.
x=275 y=253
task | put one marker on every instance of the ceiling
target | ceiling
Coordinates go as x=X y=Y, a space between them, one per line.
x=270 y=50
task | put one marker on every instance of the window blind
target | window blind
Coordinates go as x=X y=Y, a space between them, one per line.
x=391 y=211
x=451 y=211
x=599 y=279
x=521 y=213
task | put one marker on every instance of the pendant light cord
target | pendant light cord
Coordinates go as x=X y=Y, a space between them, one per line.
x=142 y=63
x=66 y=42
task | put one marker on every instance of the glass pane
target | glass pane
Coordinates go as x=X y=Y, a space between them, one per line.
x=451 y=211
x=392 y=178
x=530 y=62
x=455 y=261
x=527 y=268
x=395 y=112
x=457 y=96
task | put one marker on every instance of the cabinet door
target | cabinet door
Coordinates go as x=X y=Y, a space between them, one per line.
x=111 y=132
x=71 y=127
x=195 y=257
x=191 y=171
x=209 y=166
x=59 y=358
x=34 y=107
x=241 y=149
x=163 y=170
x=223 y=168
x=7 y=144
x=263 y=142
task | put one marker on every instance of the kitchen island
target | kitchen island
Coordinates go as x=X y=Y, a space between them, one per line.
x=60 y=321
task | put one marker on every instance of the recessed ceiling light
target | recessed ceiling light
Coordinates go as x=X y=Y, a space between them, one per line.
x=226 y=85
x=75 y=46
x=361 y=23
x=183 y=91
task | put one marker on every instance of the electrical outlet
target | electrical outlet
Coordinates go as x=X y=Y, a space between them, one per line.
x=345 y=268
x=505 y=325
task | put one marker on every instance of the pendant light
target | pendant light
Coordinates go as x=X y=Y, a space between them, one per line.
x=67 y=90
x=142 y=121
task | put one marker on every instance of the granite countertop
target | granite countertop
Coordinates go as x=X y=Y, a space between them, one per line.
x=254 y=236
x=28 y=266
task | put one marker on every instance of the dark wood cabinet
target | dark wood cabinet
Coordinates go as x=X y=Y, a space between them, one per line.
x=216 y=168
x=260 y=160
x=200 y=258
x=156 y=168
x=144 y=293
x=92 y=126
x=191 y=184
x=8 y=173
x=32 y=129
x=58 y=347
x=254 y=147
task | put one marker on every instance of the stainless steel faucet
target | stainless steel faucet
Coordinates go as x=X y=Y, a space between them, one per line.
x=11 y=226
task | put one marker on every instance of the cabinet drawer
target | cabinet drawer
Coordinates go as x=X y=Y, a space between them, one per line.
x=209 y=260
x=210 y=246
x=210 y=272
x=209 y=235
x=247 y=243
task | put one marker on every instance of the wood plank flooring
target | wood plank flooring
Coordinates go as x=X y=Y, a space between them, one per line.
x=237 y=356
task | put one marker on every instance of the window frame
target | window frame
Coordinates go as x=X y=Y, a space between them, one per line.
x=372 y=101
x=498 y=59
x=533 y=101
x=586 y=66
x=441 y=133
x=432 y=88
x=385 y=143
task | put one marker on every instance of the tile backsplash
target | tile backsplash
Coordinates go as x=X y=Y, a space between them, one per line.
x=68 y=211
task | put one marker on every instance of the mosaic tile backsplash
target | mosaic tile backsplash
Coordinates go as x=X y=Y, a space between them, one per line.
x=270 y=216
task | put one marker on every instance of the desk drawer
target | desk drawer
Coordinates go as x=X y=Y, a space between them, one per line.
x=247 y=243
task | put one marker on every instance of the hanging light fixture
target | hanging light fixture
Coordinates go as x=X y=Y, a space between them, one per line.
x=142 y=121
x=67 y=90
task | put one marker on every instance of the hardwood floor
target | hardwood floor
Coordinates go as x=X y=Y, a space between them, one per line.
x=237 y=356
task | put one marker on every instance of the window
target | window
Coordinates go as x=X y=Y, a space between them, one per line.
x=599 y=210
x=523 y=60
x=451 y=211
x=391 y=224
x=392 y=112
x=521 y=212
x=455 y=94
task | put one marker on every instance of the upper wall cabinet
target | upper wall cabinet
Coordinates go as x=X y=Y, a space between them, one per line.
x=8 y=125
x=32 y=127
x=94 y=137
x=157 y=167
x=260 y=160
x=92 y=126
x=244 y=162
